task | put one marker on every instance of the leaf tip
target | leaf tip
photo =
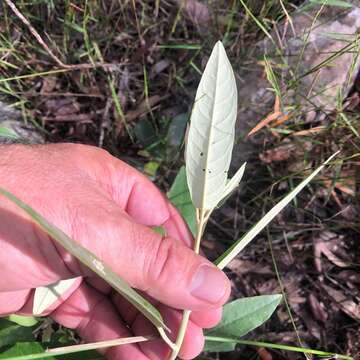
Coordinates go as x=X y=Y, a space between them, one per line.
x=331 y=157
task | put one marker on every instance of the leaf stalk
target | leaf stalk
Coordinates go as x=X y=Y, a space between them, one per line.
x=202 y=217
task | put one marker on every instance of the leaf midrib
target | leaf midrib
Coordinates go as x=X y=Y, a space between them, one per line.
x=211 y=130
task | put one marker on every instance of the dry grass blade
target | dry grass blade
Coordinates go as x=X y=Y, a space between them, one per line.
x=271 y=117
x=239 y=245
x=82 y=347
x=277 y=116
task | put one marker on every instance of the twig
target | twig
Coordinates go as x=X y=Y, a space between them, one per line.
x=46 y=48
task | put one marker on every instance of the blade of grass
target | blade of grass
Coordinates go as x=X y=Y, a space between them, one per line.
x=278 y=346
x=239 y=245
x=282 y=288
x=82 y=347
x=180 y=46
x=118 y=106
x=257 y=21
x=91 y=261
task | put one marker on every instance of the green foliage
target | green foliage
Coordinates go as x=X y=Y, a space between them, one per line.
x=36 y=350
x=179 y=195
x=21 y=349
x=26 y=321
x=176 y=131
x=240 y=317
x=219 y=346
x=338 y=3
x=10 y=333
x=7 y=133
x=159 y=230
x=232 y=340
x=196 y=192
x=145 y=133
x=208 y=155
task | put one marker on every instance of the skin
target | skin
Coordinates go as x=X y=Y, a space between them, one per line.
x=108 y=207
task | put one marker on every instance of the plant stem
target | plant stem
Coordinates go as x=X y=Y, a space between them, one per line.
x=277 y=346
x=181 y=334
x=202 y=219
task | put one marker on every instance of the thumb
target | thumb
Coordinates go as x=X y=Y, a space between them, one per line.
x=164 y=268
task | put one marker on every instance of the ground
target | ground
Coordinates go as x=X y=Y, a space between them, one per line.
x=122 y=75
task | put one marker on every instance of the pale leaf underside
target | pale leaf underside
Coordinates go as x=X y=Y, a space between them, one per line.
x=46 y=296
x=234 y=182
x=211 y=134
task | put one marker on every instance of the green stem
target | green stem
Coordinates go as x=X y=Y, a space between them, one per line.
x=277 y=346
x=186 y=313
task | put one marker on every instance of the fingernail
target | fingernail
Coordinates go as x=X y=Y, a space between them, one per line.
x=208 y=284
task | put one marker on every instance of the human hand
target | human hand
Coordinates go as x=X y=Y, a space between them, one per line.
x=108 y=207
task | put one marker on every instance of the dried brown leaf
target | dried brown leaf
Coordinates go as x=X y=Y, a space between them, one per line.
x=197 y=12
x=343 y=302
x=278 y=154
x=317 y=308
x=325 y=244
x=49 y=84
x=241 y=267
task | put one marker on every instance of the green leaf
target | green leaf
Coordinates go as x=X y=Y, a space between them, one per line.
x=26 y=321
x=211 y=135
x=239 y=245
x=159 y=230
x=23 y=349
x=179 y=195
x=338 y=3
x=176 y=132
x=240 y=317
x=145 y=132
x=243 y=315
x=34 y=350
x=45 y=296
x=217 y=346
x=10 y=333
x=151 y=168
x=7 y=133
x=91 y=261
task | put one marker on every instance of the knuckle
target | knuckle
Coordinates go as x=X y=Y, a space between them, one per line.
x=160 y=262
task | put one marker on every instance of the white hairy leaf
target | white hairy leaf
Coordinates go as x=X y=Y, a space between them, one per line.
x=45 y=296
x=211 y=134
